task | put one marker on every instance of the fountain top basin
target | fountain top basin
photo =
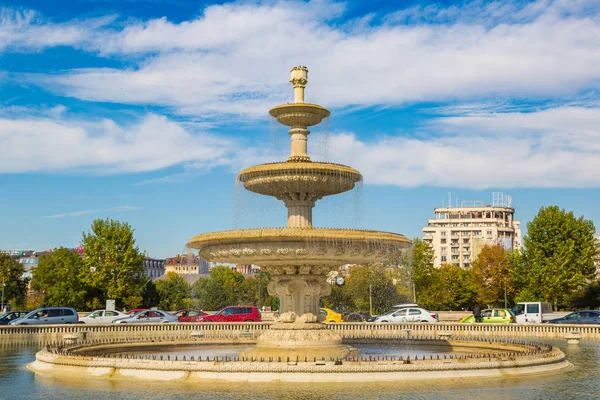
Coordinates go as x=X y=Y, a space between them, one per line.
x=296 y=247
x=299 y=114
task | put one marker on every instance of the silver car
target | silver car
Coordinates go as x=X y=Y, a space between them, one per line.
x=148 y=317
x=102 y=317
x=48 y=316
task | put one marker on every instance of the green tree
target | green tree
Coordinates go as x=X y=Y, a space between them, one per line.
x=59 y=277
x=257 y=292
x=113 y=261
x=174 y=292
x=150 y=295
x=224 y=287
x=559 y=255
x=340 y=299
x=450 y=287
x=493 y=274
x=15 y=288
x=420 y=267
x=371 y=285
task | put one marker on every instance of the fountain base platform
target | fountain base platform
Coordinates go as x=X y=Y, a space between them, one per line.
x=299 y=342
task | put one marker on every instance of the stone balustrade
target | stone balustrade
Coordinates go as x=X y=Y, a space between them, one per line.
x=249 y=330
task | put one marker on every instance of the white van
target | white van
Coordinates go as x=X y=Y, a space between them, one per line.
x=534 y=312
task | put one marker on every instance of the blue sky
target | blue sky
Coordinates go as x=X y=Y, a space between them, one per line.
x=143 y=111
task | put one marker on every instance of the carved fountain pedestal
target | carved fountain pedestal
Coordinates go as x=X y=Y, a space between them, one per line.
x=299 y=257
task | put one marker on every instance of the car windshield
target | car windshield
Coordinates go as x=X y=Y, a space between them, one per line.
x=2 y=316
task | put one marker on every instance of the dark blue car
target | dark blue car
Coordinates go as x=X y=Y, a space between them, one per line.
x=11 y=316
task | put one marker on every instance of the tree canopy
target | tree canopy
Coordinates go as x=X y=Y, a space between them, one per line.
x=10 y=275
x=113 y=261
x=173 y=292
x=559 y=256
x=60 y=277
x=224 y=287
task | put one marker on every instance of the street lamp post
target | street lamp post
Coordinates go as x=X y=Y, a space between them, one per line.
x=3 y=285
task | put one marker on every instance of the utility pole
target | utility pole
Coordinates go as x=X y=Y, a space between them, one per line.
x=370 y=299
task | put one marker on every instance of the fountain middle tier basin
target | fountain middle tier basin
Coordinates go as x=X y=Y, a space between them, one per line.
x=286 y=180
x=299 y=248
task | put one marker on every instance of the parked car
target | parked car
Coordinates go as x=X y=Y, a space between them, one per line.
x=189 y=315
x=234 y=314
x=493 y=315
x=411 y=314
x=535 y=311
x=48 y=315
x=147 y=317
x=102 y=317
x=579 y=317
x=134 y=311
x=328 y=315
x=11 y=316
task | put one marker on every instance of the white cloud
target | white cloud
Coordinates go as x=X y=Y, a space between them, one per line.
x=546 y=149
x=96 y=211
x=27 y=30
x=45 y=144
x=234 y=58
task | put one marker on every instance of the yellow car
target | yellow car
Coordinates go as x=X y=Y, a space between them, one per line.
x=328 y=315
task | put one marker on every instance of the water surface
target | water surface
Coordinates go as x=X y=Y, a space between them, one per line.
x=580 y=382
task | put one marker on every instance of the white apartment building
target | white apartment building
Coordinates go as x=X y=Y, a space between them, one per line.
x=457 y=234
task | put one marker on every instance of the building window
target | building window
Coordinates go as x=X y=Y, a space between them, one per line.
x=443 y=241
x=443 y=233
x=465 y=241
x=443 y=258
x=489 y=233
x=466 y=265
x=466 y=257
x=443 y=250
x=454 y=258
x=465 y=249
x=476 y=233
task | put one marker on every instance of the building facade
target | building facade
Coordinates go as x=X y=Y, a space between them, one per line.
x=457 y=234
x=154 y=267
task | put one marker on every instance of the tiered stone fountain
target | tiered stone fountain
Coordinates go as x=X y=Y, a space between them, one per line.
x=299 y=257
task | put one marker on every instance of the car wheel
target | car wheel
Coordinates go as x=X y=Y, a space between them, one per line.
x=248 y=320
x=354 y=317
x=331 y=320
x=384 y=321
x=424 y=321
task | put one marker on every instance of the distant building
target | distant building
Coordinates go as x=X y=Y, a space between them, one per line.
x=154 y=268
x=247 y=269
x=189 y=266
x=457 y=234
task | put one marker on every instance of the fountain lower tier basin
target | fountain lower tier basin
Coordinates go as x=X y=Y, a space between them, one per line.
x=288 y=180
x=317 y=250
x=462 y=359
x=299 y=114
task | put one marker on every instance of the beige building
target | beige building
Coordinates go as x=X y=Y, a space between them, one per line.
x=457 y=234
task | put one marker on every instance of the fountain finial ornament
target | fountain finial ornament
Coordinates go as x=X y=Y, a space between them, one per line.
x=299 y=78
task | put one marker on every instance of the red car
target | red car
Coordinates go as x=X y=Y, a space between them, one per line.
x=134 y=311
x=189 y=315
x=234 y=314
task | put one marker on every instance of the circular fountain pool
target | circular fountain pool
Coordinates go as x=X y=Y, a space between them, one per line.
x=406 y=359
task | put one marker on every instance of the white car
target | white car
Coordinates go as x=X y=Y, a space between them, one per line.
x=102 y=317
x=412 y=314
x=149 y=317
